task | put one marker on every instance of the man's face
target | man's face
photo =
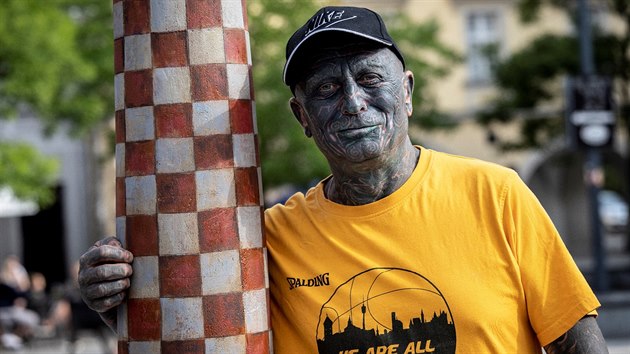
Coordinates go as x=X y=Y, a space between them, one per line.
x=355 y=103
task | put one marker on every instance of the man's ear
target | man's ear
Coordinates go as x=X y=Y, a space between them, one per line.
x=408 y=85
x=300 y=115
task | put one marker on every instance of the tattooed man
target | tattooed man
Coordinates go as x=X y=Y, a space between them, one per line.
x=402 y=249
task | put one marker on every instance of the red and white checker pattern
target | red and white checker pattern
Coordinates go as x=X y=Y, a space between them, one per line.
x=189 y=200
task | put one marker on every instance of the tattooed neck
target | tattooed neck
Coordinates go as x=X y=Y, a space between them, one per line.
x=369 y=185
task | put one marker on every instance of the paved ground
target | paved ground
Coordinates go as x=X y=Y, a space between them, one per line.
x=87 y=343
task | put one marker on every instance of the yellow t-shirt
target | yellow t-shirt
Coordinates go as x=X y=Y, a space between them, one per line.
x=462 y=258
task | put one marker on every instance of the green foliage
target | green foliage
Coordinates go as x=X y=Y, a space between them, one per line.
x=529 y=78
x=524 y=80
x=56 y=60
x=28 y=173
x=56 y=63
x=529 y=9
x=429 y=59
x=287 y=155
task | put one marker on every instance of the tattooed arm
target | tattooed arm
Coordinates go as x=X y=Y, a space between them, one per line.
x=584 y=337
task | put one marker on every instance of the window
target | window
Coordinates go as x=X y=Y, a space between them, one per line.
x=483 y=41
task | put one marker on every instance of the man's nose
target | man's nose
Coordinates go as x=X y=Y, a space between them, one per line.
x=354 y=102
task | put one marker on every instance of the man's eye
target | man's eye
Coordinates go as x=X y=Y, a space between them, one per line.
x=327 y=88
x=369 y=79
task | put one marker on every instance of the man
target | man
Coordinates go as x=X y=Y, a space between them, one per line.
x=402 y=249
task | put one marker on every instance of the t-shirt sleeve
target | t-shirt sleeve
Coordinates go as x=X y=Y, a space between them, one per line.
x=556 y=292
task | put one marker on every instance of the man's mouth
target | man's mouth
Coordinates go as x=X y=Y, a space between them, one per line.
x=357 y=131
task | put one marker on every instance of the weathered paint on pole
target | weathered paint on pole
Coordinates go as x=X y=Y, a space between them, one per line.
x=188 y=190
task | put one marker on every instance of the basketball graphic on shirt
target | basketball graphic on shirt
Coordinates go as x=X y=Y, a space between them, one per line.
x=386 y=310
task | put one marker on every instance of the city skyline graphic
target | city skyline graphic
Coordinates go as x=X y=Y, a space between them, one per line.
x=386 y=308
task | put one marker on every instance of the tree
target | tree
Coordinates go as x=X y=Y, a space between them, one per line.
x=55 y=63
x=287 y=155
x=56 y=60
x=30 y=173
x=529 y=78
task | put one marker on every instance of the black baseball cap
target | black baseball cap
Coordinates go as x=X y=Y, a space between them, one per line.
x=357 y=22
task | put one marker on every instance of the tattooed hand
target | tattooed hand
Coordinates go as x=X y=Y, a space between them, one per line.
x=584 y=337
x=104 y=274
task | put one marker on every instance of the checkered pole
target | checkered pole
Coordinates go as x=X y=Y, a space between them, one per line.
x=188 y=190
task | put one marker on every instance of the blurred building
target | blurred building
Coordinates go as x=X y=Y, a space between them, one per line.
x=50 y=240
